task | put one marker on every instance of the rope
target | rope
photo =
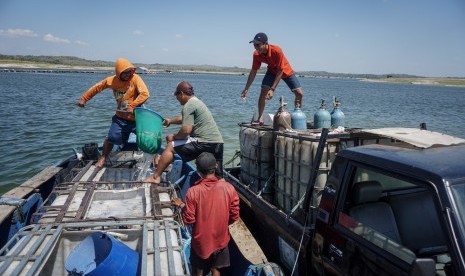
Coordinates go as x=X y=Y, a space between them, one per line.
x=300 y=244
x=266 y=184
x=235 y=156
x=301 y=200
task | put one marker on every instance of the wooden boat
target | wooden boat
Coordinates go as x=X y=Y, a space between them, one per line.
x=280 y=180
x=64 y=219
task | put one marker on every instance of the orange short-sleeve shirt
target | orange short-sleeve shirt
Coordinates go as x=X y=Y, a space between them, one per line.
x=275 y=59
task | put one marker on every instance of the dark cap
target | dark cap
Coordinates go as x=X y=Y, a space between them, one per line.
x=259 y=38
x=206 y=163
x=184 y=87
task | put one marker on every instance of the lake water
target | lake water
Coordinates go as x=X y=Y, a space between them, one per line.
x=42 y=125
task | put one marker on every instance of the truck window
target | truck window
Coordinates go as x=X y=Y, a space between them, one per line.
x=387 y=211
x=458 y=193
x=388 y=182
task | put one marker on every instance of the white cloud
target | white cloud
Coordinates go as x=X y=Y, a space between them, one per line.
x=82 y=43
x=54 y=39
x=17 y=33
x=141 y=46
x=138 y=32
x=179 y=36
x=164 y=49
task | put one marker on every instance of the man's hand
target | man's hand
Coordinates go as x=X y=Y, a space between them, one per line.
x=81 y=103
x=177 y=202
x=270 y=94
x=244 y=94
x=166 y=122
x=169 y=138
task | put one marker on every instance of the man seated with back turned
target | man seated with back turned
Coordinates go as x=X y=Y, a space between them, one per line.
x=211 y=206
x=198 y=133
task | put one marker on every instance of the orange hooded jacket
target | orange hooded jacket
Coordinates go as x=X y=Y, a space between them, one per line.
x=128 y=94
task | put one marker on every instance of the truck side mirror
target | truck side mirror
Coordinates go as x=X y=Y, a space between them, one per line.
x=423 y=267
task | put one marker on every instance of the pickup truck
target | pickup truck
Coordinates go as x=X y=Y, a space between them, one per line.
x=392 y=211
x=394 y=206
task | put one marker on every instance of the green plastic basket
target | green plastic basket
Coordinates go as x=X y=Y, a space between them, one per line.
x=148 y=129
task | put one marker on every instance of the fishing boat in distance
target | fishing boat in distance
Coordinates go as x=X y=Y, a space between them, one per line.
x=76 y=219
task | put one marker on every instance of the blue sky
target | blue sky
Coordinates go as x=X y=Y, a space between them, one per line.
x=419 y=37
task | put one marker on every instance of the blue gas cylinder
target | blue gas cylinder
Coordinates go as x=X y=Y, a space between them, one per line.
x=322 y=118
x=337 y=116
x=298 y=118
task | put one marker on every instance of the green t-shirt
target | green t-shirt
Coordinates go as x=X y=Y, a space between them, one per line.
x=196 y=114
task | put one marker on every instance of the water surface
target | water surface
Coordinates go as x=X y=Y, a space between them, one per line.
x=42 y=125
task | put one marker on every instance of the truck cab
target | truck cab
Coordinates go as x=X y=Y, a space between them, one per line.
x=392 y=211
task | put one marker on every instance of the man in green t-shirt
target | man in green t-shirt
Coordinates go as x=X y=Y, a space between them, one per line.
x=199 y=133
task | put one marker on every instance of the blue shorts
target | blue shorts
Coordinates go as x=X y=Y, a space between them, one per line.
x=120 y=130
x=291 y=81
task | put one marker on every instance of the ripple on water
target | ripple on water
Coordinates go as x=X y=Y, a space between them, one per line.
x=44 y=124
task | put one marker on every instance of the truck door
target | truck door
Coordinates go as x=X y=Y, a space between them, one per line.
x=356 y=231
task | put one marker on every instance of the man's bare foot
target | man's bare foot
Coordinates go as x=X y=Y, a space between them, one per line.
x=152 y=180
x=100 y=163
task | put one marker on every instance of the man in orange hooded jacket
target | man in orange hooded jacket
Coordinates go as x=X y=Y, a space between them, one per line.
x=130 y=92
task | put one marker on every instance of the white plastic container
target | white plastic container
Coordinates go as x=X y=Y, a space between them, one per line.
x=257 y=158
x=294 y=157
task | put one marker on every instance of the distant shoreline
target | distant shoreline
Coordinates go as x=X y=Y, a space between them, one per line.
x=47 y=68
x=50 y=68
x=456 y=82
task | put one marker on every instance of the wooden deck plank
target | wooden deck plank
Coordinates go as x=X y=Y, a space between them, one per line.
x=27 y=188
x=6 y=211
x=18 y=192
x=246 y=243
x=41 y=177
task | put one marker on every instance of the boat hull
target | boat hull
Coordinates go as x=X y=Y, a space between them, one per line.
x=77 y=199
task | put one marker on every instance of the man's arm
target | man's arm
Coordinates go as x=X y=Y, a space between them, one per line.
x=91 y=92
x=279 y=59
x=234 y=207
x=250 y=79
x=276 y=80
x=183 y=133
x=175 y=120
x=143 y=93
x=188 y=212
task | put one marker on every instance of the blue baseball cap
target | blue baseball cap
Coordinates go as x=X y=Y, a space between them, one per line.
x=259 y=38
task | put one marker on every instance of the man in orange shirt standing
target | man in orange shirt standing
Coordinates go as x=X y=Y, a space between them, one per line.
x=212 y=204
x=130 y=92
x=278 y=68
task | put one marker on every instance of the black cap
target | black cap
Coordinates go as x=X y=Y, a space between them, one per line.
x=206 y=163
x=259 y=38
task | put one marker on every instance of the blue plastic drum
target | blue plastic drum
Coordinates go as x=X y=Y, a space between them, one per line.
x=102 y=254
